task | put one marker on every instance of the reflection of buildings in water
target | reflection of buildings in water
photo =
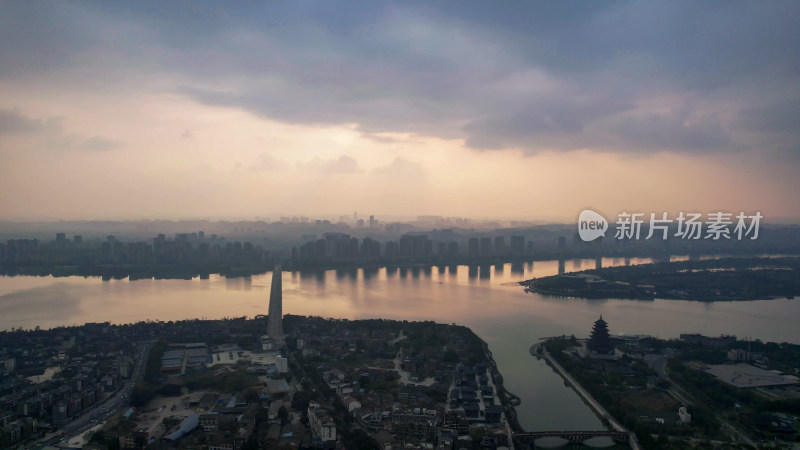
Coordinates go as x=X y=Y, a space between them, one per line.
x=307 y=276
x=239 y=283
x=472 y=272
x=441 y=269
x=403 y=273
x=391 y=272
x=598 y=263
x=320 y=277
x=576 y=264
x=561 y=269
x=415 y=271
x=370 y=273
x=517 y=268
x=427 y=270
x=351 y=273
x=452 y=270
x=485 y=272
x=662 y=258
x=498 y=270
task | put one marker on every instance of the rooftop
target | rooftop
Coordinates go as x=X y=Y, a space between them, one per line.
x=747 y=376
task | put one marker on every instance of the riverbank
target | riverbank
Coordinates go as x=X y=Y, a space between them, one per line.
x=724 y=279
x=507 y=399
x=539 y=349
x=119 y=270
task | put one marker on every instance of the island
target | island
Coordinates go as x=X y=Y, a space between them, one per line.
x=702 y=280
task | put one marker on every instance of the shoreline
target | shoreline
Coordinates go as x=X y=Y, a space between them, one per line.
x=545 y=292
x=508 y=399
x=587 y=398
x=122 y=271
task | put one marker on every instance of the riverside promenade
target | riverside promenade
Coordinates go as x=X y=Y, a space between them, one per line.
x=585 y=395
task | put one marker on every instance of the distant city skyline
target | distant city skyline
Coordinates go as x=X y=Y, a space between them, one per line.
x=536 y=111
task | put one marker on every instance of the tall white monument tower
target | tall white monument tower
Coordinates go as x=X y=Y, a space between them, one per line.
x=274 y=327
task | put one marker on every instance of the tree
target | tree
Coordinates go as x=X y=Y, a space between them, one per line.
x=141 y=394
x=170 y=390
x=450 y=356
x=476 y=434
x=283 y=414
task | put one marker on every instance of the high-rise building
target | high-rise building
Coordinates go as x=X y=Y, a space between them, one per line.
x=517 y=245
x=474 y=247
x=486 y=246
x=274 y=320
x=452 y=249
x=499 y=245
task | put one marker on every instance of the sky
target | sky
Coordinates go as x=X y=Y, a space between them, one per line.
x=518 y=110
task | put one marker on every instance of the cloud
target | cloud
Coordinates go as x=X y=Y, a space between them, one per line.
x=671 y=131
x=781 y=117
x=51 y=132
x=100 y=143
x=269 y=163
x=402 y=168
x=537 y=76
x=341 y=165
x=12 y=121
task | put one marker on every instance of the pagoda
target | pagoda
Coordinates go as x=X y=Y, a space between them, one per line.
x=599 y=340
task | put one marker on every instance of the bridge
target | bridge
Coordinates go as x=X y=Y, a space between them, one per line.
x=573 y=437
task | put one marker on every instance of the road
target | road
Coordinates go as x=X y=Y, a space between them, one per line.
x=104 y=409
x=659 y=365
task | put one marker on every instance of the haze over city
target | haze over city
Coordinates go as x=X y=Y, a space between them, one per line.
x=533 y=111
x=377 y=225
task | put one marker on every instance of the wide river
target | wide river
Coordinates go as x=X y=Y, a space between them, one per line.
x=480 y=297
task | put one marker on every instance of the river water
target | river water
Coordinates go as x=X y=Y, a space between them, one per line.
x=482 y=298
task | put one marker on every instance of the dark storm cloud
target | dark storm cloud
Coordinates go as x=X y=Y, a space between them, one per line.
x=613 y=76
x=778 y=117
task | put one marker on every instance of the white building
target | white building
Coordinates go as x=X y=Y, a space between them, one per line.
x=351 y=403
x=684 y=415
x=321 y=423
x=266 y=343
x=738 y=354
x=282 y=364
